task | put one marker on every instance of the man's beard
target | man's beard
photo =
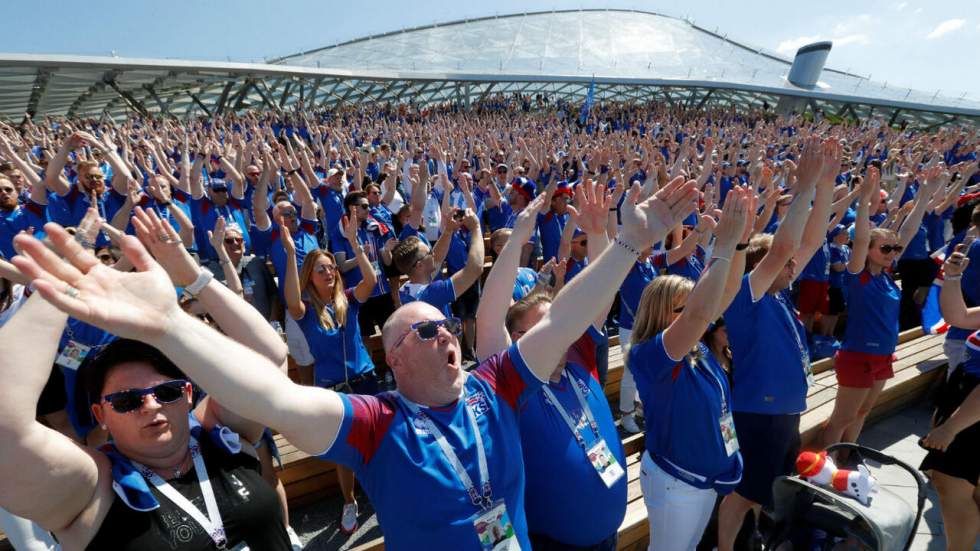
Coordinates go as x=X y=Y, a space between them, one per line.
x=8 y=203
x=98 y=188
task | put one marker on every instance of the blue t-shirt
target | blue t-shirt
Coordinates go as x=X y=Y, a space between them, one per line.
x=690 y=267
x=559 y=476
x=30 y=216
x=818 y=268
x=685 y=400
x=267 y=243
x=497 y=217
x=918 y=248
x=372 y=236
x=839 y=254
x=331 y=358
x=333 y=207
x=769 y=353
x=204 y=214
x=972 y=363
x=440 y=293
x=872 y=312
x=574 y=267
x=631 y=290
x=387 y=447
x=970 y=285
x=79 y=333
x=550 y=227
x=70 y=209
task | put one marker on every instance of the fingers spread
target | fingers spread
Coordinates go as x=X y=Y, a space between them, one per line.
x=67 y=246
x=45 y=261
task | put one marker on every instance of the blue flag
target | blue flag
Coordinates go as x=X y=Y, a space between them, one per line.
x=587 y=106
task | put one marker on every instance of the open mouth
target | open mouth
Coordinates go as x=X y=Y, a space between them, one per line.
x=451 y=358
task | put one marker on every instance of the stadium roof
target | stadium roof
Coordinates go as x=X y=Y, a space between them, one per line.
x=630 y=55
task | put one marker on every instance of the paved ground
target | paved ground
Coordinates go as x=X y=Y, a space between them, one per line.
x=897 y=436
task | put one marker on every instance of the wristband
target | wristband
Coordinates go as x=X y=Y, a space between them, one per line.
x=632 y=250
x=614 y=209
x=953 y=278
x=203 y=278
x=741 y=246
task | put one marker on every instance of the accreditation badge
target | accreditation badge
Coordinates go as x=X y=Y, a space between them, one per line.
x=72 y=355
x=495 y=531
x=604 y=462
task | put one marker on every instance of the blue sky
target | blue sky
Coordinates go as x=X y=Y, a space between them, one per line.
x=926 y=45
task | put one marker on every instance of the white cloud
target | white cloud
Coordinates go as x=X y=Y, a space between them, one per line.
x=789 y=47
x=945 y=27
x=900 y=6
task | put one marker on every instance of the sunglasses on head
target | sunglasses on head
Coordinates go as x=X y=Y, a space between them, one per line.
x=127 y=401
x=888 y=249
x=428 y=330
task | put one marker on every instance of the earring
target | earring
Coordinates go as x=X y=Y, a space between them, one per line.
x=105 y=427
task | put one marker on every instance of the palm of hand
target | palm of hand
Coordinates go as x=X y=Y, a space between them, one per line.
x=134 y=305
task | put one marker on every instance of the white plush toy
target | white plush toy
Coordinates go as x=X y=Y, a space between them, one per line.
x=820 y=469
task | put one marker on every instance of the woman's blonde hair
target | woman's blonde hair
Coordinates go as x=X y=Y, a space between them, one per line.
x=339 y=298
x=657 y=305
x=877 y=234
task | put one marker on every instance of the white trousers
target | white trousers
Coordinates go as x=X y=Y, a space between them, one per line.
x=627 y=386
x=24 y=535
x=677 y=512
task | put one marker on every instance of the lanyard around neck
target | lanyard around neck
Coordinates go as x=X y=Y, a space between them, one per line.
x=572 y=425
x=482 y=499
x=211 y=523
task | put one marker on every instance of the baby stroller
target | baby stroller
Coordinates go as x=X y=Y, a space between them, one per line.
x=813 y=518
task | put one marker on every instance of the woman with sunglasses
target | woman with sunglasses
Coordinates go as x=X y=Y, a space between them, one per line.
x=162 y=484
x=328 y=316
x=864 y=362
x=691 y=453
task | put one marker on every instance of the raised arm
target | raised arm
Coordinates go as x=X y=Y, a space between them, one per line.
x=815 y=231
x=576 y=307
x=47 y=477
x=363 y=289
x=704 y=301
x=935 y=179
x=54 y=174
x=862 y=225
x=142 y=305
x=471 y=272
x=228 y=268
x=786 y=241
x=951 y=300
x=491 y=333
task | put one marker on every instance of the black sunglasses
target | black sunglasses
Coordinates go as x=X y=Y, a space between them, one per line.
x=126 y=401
x=427 y=330
x=888 y=249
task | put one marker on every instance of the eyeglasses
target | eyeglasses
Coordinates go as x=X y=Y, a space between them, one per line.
x=364 y=206
x=219 y=190
x=287 y=213
x=323 y=268
x=234 y=241
x=427 y=330
x=127 y=401
x=99 y=176
x=888 y=249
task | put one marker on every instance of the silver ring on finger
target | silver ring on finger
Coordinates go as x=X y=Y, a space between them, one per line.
x=71 y=291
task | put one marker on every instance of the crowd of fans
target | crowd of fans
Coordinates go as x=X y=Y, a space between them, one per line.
x=240 y=268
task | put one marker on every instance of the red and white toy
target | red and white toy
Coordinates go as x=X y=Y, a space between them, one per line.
x=820 y=469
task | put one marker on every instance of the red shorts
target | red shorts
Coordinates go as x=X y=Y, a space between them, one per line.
x=814 y=297
x=861 y=370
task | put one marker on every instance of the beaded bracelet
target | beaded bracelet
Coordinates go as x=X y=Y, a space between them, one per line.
x=627 y=246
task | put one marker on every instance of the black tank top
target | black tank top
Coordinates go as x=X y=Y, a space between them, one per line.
x=249 y=509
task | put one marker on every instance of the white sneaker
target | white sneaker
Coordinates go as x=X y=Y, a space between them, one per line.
x=348 y=518
x=628 y=422
x=294 y=540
